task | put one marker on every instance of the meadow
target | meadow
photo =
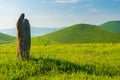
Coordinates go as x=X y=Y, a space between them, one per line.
x=90 y=61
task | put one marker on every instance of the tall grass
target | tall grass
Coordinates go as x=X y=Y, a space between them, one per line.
x=62 y=62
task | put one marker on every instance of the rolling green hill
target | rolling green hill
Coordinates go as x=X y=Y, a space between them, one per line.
x=41 y=40
x=113 y=26
x=4 y=38
x=79 y=33
x=83 y=33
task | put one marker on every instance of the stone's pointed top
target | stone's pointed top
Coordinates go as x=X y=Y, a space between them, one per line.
x=22 y=15
x=21 y=18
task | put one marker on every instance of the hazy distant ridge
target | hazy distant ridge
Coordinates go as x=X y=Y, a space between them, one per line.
x=35 y=31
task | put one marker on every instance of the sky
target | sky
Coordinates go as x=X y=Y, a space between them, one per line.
x=58 y=13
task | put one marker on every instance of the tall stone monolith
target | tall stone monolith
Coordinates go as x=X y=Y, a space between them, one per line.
x=23 y=38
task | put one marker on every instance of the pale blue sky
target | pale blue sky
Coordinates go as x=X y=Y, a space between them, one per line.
x=58 y=13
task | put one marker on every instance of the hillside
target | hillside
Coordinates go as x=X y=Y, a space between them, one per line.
x=4 y=38
x=83 y=33
x=113 y=26
x=41 y=40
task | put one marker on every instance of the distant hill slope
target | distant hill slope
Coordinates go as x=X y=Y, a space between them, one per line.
x=83 y=33
x=113 y=26
x=41 y=40
x=4 y=38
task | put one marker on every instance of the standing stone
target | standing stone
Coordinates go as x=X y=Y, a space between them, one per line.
x=23 y=38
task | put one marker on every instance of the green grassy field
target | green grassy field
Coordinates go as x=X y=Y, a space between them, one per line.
x=78 y=52
x=62 y=62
